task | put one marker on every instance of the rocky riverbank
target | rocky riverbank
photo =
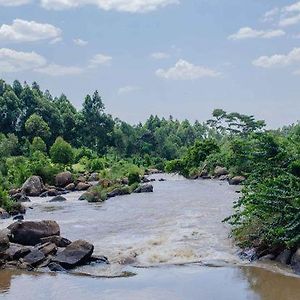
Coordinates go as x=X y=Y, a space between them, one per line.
x=38 y=246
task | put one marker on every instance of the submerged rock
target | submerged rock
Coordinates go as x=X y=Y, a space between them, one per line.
x=145 y=188
x=33 y=186
x=18 y=217
x=4 y=214
x=118 y=192
x=77 y=253
x=30 y=233
x=58 y=199
x=55 y=267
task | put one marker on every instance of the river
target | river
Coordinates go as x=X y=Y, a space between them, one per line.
x=170 y=244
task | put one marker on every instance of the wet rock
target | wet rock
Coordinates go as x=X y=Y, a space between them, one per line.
x=48 y=248
x=53 y=192
x=70 y=187
x=57 y=240
x=14 y=191
x=33 y=186
x=77 y=253
x=94 y=177
x=4 y=240
x=99 y=259
x=145 y=188
x=295 y=262
x=20 y=197
x=118 y=192
x=18 y=208
x=16 y=251
x=82 y=186
x=30 y=233
x=284 y=257
x=58 y=199
x=63 y=179
x=44 y=194
x=237 y=180
x=145 y=179
x=4 y=214
x=162 y=179
x=34 y=258
x=18 y=217
x=55 y=267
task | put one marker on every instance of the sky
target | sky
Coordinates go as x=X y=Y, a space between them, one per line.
x=167 y=57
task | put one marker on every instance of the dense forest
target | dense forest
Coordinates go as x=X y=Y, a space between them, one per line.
x=44 y=135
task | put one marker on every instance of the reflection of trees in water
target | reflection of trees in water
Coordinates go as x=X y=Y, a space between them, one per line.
x=272 y=286
x=7 y=277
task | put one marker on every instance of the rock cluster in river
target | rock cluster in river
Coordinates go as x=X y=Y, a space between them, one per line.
x=30 y=245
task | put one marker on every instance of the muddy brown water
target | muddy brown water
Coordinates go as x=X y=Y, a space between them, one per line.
x=170 y=244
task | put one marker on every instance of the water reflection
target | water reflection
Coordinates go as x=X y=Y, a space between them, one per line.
x=165 y=283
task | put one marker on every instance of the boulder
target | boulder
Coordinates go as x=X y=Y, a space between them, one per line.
x=77 y=253
x=145 y=188
x=284 y=257
x=18 y=208
x=82 y=186
x=224 y=177
x=57 y=240
x=34 y=258
x=4 y=214
x=63 y=179
x=70 y=187
x=295 y=262
x=4 y=240
x=105 y=183
x=48 y=248
x=33 y=186
x=29 y=233
x=219 y=171
x=15 y=252
x=55 y=267
x=237 y=180
x=118 y=192
x=94 y=177
x=58 y=199
x=53 y=192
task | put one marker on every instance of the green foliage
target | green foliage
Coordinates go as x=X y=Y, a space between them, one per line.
x=38 y=145
x=61 y=152
x=268 y=214
x=36 y=126
x=133 y=177
x=5 y=201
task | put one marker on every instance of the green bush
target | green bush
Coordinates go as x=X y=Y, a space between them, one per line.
x=5 y=201
x=133 y=177
x=38 y=145
x=61 y=152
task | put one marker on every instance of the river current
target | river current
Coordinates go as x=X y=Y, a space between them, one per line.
x=170 y=244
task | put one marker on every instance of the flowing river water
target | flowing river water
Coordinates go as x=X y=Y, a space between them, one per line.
x=170 y=244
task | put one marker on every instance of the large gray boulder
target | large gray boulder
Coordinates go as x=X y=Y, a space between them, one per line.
x=30 y=233
x=33 y=186
x=295 y=261
x=63 y=179
x=237 y=180
x=77 y=253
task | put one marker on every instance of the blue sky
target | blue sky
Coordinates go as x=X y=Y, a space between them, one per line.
x=178 y=57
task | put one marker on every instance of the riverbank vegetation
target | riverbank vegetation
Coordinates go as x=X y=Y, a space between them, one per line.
x=44 y=135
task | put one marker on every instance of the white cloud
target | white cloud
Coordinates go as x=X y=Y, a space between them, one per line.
x=160 y=55
x=269 y=15
x=249 y=33
x=128 y=89
x=14 y=2
x=278 y=60
x=289 y=20
x=80 y=42
x=59 y=70
x=14 y=61
x=99 y=59
x=290 y=15
x=132 y=6
x=29 y=31
x=184 y=70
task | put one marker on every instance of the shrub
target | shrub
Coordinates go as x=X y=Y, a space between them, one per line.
x=133 y=177
x=38 y=145
x=61 y=152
